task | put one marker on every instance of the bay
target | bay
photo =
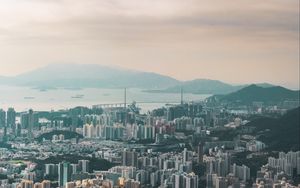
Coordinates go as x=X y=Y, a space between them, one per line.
x=24 y=98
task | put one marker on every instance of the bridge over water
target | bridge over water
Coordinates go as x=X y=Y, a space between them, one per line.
x=122 y=104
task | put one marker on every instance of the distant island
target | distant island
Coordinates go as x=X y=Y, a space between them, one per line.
x=79 y=76
x=205 y=86
x=255 y=93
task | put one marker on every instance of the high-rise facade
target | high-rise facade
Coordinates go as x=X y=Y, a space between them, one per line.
x=2 y=118
x=129 y=158
x=11 y=118
x=46 y=184
x=29 y=121
x=64 y=173
x=200 y=153
x=84 y=165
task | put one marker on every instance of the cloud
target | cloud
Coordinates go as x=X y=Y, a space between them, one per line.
x=43 y=18
x=154 y=35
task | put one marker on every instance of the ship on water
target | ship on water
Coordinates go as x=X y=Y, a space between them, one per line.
x=77 y=96
x=29 y=97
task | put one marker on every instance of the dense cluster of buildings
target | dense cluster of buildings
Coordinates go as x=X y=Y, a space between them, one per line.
x=177 y=146
x=278 y=171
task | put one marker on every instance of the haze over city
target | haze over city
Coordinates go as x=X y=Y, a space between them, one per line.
x=149 y=94
x=237 y=42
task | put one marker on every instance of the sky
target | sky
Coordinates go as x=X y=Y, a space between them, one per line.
x=237 y=41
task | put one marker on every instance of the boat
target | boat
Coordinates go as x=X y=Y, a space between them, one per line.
x=77 y=96
x=29 y=97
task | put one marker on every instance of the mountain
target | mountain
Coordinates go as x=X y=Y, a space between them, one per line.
x=99 y=76
x=90 y=75
x=254 y=93
x=280 y=134
x=265 y=85
x=202 y=86
x=206 y=86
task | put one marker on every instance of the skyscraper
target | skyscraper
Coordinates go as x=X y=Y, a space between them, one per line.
x=200 y=153
x=185 y=154
x=29 y=121
x=129 y=158
x=26 y=184
x=50 y=169
x=2 y=118
x=191 y=181
x=179 y=181
x=84 y=165
x=17 y=129
x=46 y=184
x=24 y=120
x=221 y=182
x=60 y=174
x=11 y=118
x=64 y=173
x=67 y=173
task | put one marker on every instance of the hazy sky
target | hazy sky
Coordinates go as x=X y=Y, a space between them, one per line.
x=237 y=41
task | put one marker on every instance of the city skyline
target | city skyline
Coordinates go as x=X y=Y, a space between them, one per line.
x=149 y=94
x=237 y=42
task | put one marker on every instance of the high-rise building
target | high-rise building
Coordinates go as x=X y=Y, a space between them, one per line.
x=50 y=170
x=24 y=120
x=46 y=184
x=88 y=131
x=130 y=183
x=100 y=131
x=64 y=173
x=154 y=179
x=179 y=181
x=70 y=185
x=191 y=181
x=200 y=153
x=18 y=129
x=29 y=121
x=26 y=184
x=11 y=118
x=193 y=109
x=129 y=158
x=60 y=174
x=67 y=173
x=114 y=132
x=185 y=180
x=75 y=168
x=2 y=118
x=209 y=180
x=175 y=112
x=84 y=165
x=241 y=172
x=221 y=182
x=37 y=185
x=186 y=155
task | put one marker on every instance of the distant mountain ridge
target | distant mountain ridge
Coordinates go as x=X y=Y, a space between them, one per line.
x=206 y=86
x=90 y=75
x=254 y=93
x=202 y=86
x=100 y=76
